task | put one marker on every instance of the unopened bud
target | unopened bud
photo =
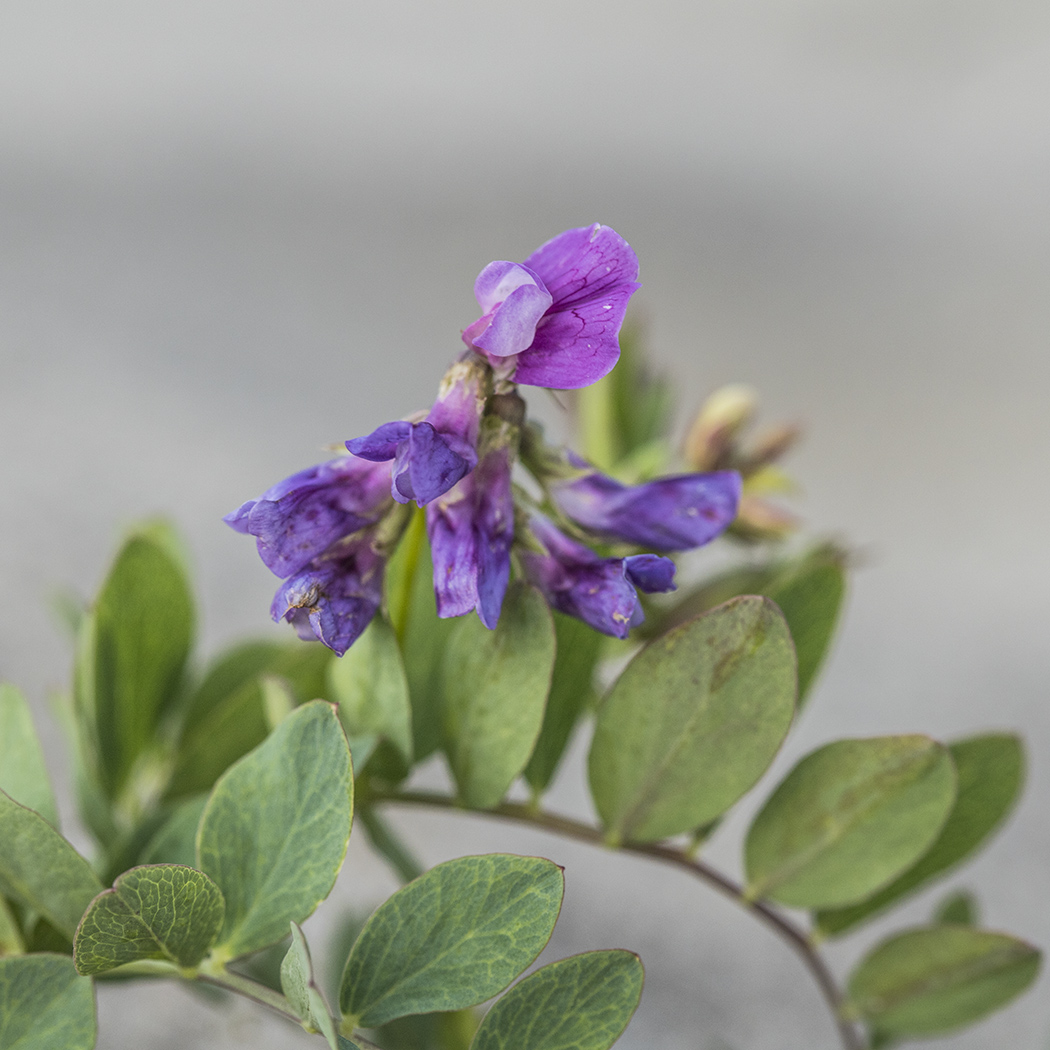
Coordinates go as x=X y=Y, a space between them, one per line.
x=770 y=446
x=758 y=520
x=720 y=418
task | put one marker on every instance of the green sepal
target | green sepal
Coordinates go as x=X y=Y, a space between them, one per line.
x=155 y=911
x=693 y=722
x=453 y=938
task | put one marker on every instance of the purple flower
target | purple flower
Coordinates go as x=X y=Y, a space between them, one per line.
x=670 y=514
x=599 y=591
x=557 y=316
x=471 y=530
x=431 y=455
x=336 y=595
x=302 y=516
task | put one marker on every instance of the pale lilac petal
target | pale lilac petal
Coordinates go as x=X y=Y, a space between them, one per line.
x=382 y=443
x=576 y=346
x=238 y=519
x=512 y=327
x=499 y=279
x=583 y=264
x=669 y=514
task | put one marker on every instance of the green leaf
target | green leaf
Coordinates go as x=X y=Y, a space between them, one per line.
x=939 y=979
x=990 y=772
x=422 y=634
x=133 y=654
x=227 y=715
x=23 y=774
x=41 y=869
x=371 y=689
x=11 y=942
x=580 y=1003
x=156 y=911
x=849 y=818
x=175 y=841
x=957 y=909
x=810 y=599
x=693 y=722
x=300 y=987
x=45 y=1004
x=572 y=692
x=453 y=938
x=495 y=687
x=275 y=830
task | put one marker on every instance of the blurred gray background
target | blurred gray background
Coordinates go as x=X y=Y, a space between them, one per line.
x=233 y=232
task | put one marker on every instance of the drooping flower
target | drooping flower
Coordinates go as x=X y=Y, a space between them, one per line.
x=432 y=454
x=555 y=319
x=600 y=591
x=471 y=529
x=335 y=596
x=674 y=513
x=301 y=517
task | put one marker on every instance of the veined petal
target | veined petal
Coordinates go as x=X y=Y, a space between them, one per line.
x=575 y=346
x=300 y=517
x=669 y=514
x=583 y=264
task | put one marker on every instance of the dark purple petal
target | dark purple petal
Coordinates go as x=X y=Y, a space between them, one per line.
x=382 y=443
x=650 y=573
x=584 y=264
x=574 y=580
x=300 y=517
x=429 y=464
x=669 y=514
x=575 y=346
x=471 y=532
x=335 y=597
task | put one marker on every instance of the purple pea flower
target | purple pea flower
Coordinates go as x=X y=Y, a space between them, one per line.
x=599 y=591
x=673 y=513
x=301 y=517
x=335 y=596
x=471 y=530
x=555 y=319
x=431 y=455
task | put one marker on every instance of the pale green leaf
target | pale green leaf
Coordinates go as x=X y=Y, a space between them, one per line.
x=990 y=770
x=11 y=942
x=578 y=648
x=369 y=685
x=926 y=981
x=848 y=819
x=45 y=1004
x=580 y=1003
x=495 y=689
x=133 y=653
x=175 y=841
x=275 y=830
x=41 y=869
x=693 y=722
x=23 y=774
x=452 y=938
x=301 y=989
x=156 y=911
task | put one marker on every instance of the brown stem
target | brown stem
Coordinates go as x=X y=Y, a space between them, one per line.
x=795 y=937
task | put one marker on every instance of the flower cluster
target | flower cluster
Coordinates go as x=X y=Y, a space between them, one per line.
x=552 y=321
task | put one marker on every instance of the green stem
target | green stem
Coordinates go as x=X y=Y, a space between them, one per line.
x=796 y=937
